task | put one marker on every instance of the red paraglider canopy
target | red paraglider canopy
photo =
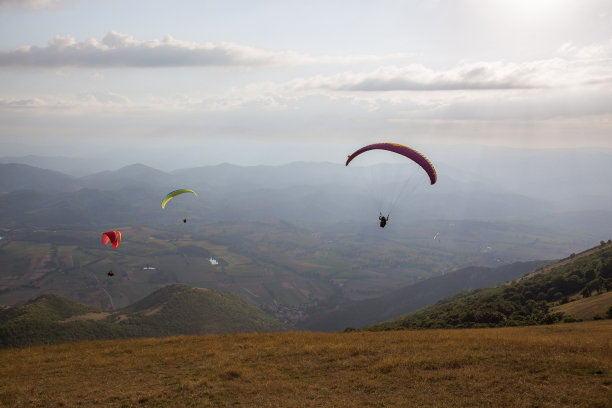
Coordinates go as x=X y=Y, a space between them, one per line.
x=406 y=151
x=114 y=237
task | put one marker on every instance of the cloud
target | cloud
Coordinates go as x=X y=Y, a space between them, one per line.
x=419 y=78
x=34 y=4
x=123 y=50
x=471 y=77
x=594 y=51
x=90 y=102
x=96 y=76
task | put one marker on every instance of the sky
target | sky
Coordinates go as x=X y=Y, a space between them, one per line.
x=179 y=83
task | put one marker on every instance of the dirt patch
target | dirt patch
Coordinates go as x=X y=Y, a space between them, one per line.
x=154 y=310
x=88 y=316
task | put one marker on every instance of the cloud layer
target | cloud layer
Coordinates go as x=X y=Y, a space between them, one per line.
x=575 y=66
x=34 y=4
x=290 y=93
x=123 y=50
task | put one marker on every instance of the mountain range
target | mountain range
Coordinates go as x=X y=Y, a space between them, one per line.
x=301 y=240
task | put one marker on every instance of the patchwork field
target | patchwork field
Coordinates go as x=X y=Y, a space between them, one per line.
x=567 y=365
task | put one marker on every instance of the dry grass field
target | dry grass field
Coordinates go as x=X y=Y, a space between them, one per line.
x=587 y=308
x=567 y=365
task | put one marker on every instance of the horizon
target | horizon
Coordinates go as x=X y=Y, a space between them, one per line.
x=445 y=153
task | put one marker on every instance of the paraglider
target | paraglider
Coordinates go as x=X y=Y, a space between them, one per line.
x=174 y=193
x=402 y=150
x=114 y=237
x=383 y=220
x=406 y=151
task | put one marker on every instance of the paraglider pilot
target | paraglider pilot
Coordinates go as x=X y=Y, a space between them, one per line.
x=184 y=220
x=383 y=220
x=110 y=273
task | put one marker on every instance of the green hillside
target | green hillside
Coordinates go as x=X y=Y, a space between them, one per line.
x=171 y=310
x=413 y=297
x=181 y=309
x=526 y=301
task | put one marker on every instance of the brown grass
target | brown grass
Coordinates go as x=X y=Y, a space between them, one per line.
x=587 y=308
x=549 y=366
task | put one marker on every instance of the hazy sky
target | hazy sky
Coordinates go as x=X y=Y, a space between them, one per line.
x=267 y=82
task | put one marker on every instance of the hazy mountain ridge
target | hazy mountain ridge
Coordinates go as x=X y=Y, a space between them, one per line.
x=312 y=192
x=15 y=177
x=169 y=311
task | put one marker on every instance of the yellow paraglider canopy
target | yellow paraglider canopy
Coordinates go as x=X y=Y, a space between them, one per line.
x=174 y=193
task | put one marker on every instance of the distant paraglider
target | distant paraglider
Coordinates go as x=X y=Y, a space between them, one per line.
x=407 y=152
x=383 y=220
x=114 y=237
x=174 y=193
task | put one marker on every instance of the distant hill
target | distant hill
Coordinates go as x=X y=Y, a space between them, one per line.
x=410 y=298
x=525 y=301
x=171 y=310
x=15 y=176
x=132 y=176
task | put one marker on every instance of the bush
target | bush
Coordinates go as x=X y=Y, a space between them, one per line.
x=571 y=319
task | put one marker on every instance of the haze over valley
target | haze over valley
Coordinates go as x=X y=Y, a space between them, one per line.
x=295 y=240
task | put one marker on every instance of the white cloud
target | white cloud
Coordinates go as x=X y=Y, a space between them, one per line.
x=34 y=4
x=96 y=76
x=474 y=77
x=593 y=51
x=123 y=50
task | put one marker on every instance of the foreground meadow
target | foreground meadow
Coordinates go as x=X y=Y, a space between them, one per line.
x=566 y=365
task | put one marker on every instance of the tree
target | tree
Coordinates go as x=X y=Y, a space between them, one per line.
x=586 y=292
x=606 y=270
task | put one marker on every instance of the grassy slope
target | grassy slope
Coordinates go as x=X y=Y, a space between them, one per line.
x=587 y=308
x=544 y=366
